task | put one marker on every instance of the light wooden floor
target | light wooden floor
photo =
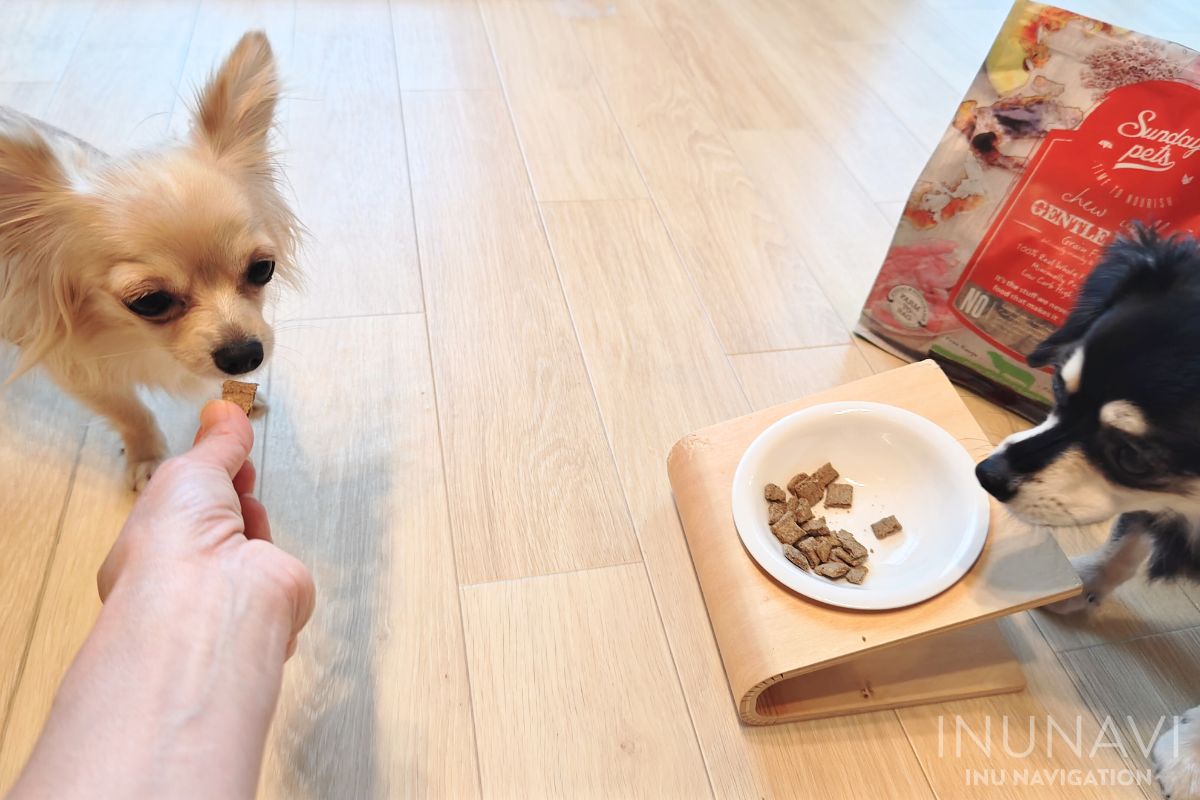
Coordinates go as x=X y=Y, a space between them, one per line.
x=549 y=239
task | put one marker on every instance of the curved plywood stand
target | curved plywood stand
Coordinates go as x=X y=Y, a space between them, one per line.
x=789 y=658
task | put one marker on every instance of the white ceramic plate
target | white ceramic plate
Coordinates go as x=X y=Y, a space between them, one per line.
x=899 y=463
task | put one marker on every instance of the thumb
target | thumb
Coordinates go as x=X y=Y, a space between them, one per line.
x=225 y=436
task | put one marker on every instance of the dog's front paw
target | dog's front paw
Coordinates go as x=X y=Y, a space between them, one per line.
x=1176 y=757
x=1078 y=604
x=1091 y=575
x=138 y=473
x=145 y=449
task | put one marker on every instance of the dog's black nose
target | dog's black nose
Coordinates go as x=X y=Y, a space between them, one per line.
x=239 y=357
x=995 y=477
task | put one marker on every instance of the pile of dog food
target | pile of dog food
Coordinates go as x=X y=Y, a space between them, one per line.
x=807 y=539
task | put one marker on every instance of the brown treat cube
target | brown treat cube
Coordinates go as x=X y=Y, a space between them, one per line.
x=825 y=475
x=816 y=527
x=795 y=482
x=775 y=512
x=825 y=545
x=809 y=548
x=810 y=492
x=839 y=554
x=800 y=510
x=774 y=494
x=832 y=570
x=796 y=557
x=886 y=527
x=857 y=552
x=239 y=393
x=856 y=574
x=786 y=530
x=839 y=495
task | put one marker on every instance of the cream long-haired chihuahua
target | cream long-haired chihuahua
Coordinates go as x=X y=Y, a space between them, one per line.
x=149 y=270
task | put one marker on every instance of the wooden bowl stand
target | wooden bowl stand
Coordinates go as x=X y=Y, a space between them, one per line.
x=790 y=658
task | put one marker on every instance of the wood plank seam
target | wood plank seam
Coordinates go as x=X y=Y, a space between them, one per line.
x=916 y=755
x=654 y=199
x=437 y=411
x=592 y=385
x=67 y=62
x=11 y=700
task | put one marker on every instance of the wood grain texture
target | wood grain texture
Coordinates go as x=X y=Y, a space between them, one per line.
x=846 y=112
x=548 y=658
x=118 y=89
x=738 y=86
x=659 y=370
x=353 y=480
x=441 y=44
x=769 y=379
x=967 y=662
x=40 y=435
x=906 y=85
x=843 y=258
x=527 y=462
x=720 y=224
x=1139 y=686
x=573 y=147
x=38 y=38
x=99 y=503
x=344 y=156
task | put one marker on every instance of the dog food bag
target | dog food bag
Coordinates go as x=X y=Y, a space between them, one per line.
x=1072 y=130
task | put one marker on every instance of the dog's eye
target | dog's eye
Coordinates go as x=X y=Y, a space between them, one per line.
x=1132 y=461
x=261 y=272
x=152 y=305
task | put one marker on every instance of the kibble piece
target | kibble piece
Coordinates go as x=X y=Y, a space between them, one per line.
x=840 y=554
x=825 y=545
x=796 y=557
x=800 y=510
x=886 y=527
x=774 y=494
x=775 y=512
x=809 y=548
x=797 y=479
x=810 y=492
x=856 y=574
x=825 y=475
x=857 y=552
x=239 y=393
x=839 y=495
x=833 y=569
x=816 y=527
x=786 y=530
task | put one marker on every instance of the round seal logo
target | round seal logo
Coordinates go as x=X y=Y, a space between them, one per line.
x=908 y=306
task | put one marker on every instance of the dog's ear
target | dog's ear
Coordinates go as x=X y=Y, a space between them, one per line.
x=30 y=175
x=34 y=200
x=236 y=109
x=1138 y=262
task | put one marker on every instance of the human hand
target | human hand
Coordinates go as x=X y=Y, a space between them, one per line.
x=196 y=520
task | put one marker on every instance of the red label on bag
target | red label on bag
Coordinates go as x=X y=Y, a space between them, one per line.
x=1133 y=158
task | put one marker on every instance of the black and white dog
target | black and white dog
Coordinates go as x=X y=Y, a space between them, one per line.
x=1123 y=439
